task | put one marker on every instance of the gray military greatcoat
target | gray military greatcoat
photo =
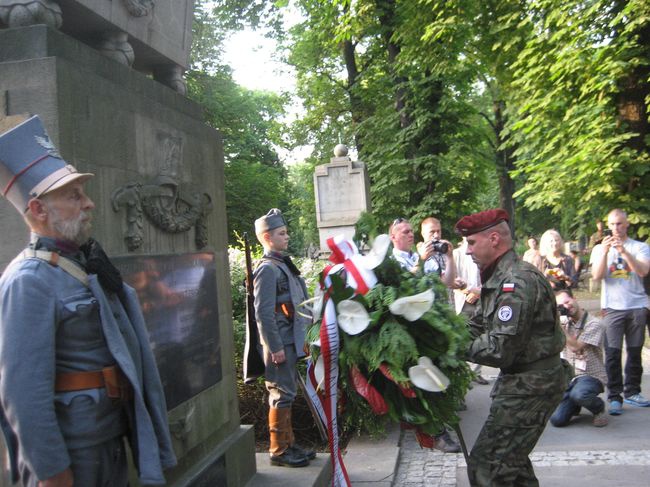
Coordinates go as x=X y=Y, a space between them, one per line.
x=50 y=323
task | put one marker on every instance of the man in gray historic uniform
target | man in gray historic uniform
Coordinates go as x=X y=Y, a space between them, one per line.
x=77 y=374
x=279 y=292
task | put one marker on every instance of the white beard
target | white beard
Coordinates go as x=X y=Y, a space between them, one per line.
x=75 y=230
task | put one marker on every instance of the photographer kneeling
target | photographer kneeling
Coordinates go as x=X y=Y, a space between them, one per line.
x=584 y=338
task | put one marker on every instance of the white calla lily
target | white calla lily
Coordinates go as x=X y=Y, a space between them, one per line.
x=377 y=253
x=319 y=372
x=413 y=307
x=352 y=316
x=427 y=376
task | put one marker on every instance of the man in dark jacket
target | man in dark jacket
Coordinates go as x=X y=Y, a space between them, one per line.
x=515 y=329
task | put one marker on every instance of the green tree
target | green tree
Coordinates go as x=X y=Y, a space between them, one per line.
x=249 y=122
x=579 y=115
x=360 y=74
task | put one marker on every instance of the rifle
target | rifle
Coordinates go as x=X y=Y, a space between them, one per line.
x=253 y=363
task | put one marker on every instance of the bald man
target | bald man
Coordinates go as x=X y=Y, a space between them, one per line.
x=516 y=329
x=621 y=263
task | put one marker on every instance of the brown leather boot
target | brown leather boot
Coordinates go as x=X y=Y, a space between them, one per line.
x=310 y=454
x=281 y=454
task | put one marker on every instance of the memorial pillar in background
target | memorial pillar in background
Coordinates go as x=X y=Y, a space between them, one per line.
x=106 y=78
x=342 y=192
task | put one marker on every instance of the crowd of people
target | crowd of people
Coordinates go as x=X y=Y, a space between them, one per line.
x=512 y=309
x=79 y=377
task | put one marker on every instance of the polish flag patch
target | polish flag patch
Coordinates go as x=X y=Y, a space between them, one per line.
x=508 y=287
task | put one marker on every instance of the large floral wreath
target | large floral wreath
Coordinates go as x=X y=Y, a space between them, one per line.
x=389 y=336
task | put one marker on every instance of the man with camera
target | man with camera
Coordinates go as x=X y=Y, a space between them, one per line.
x=436 y=253
x=401 y=235
x=584 y=339
x=622 y=263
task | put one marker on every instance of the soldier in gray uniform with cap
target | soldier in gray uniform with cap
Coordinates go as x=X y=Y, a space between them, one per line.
x=77 y=374
x=279 y=291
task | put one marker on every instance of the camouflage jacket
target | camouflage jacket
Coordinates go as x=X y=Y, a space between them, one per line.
x=516 y=329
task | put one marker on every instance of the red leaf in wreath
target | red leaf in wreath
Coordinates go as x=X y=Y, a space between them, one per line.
x=368 y=392
x=406 y=391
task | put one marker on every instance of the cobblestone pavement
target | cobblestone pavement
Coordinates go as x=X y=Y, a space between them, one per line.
x=420 y=467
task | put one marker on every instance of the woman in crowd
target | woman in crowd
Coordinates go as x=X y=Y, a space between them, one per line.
x=558 y=267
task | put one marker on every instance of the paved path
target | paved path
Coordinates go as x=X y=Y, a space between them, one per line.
x=576 y=456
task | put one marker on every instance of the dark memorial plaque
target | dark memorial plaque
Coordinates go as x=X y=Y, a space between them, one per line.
x=178 y=294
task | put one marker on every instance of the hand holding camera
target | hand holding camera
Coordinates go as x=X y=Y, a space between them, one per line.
x=609 y=240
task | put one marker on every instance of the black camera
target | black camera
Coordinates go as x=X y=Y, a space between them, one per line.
x=607 y=233
x=564 y=311
x=440 y=247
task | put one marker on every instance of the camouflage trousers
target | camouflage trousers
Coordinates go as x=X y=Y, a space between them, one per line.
x=500 y=455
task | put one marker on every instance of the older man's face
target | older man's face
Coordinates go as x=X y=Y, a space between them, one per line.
x=402 y=236
x=69 y=213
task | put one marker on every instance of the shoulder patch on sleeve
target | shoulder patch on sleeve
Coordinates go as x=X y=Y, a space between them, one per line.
x=508 y=287
x=504 y=313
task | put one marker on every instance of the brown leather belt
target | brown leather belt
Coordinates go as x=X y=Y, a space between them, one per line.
x=111 y=377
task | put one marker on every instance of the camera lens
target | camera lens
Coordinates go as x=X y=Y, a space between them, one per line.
x=440 y=247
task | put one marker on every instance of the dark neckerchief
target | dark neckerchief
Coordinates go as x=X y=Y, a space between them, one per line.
x=64 y=248
x=90 y=256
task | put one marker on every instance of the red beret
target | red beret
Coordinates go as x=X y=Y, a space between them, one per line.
x=477 y=222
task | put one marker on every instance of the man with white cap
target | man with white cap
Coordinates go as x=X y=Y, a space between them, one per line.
x=77 y=374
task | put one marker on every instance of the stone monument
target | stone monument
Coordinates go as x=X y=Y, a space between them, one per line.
x=342 y=192
x=105 y=77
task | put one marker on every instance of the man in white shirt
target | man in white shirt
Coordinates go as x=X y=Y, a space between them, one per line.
x=622 y=263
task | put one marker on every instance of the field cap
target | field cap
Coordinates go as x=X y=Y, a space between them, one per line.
x=30 y=165
x=272 y=220
x=477 y=222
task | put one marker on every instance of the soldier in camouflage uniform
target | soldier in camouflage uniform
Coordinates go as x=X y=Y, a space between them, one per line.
x=516 y=328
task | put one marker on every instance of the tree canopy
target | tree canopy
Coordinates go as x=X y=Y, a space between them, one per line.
x=537 y=106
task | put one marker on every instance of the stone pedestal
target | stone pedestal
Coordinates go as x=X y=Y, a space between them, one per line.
x=133 y=132
x=342 y=192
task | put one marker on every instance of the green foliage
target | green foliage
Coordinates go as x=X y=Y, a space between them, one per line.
x=577 y=148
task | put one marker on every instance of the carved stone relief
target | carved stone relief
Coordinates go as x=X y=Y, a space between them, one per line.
x=115 y=45
x=171 y=75
x=169 y=206
x=22 y=13
x=139 y=8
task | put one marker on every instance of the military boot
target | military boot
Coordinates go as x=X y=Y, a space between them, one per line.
x=281 y=454
x=310 y=454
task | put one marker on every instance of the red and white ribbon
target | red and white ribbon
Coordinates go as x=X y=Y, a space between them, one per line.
x=326 y=403
x=347 y=261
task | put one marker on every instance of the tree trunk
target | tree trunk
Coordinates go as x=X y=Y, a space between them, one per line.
x=632 y=109
x=505 y=163
x=356 y=104
x=387 y=14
